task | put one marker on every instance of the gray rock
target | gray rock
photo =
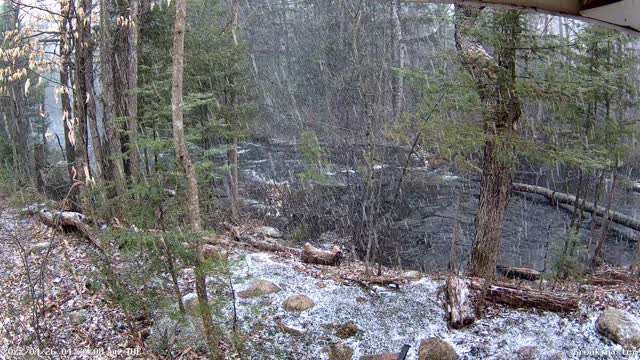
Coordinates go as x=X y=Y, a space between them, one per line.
x=38 y=247
x=190 y=302
x=528 y=353
x=619 y=326
x=77 y=317
x=269 y=232
x=412 y=275
x=338 y=352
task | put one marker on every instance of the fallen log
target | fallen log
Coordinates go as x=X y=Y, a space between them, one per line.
x=367 y=281
x=313 y=255
x=563 y=198
x=520 y=297
x=72 y=220
x=520 y=273
x=459 y=307
x=620 y=231
x=270 y=246
x=264 y=245
x=611 y=277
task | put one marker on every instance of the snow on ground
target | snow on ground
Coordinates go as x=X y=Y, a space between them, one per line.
x=393 y=317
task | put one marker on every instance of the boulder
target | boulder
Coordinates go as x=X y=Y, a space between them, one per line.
x=77 y=317
x=339 y=352
x=38 y=247
x=269 y=232
x=259 y=288
x=519 y=273
x=388 y=356
x=435 y=349
x=347 y=330
x=528 y=353
x=289 y=329
x=619 y=326
x=214 y=252
x=412 y=275
x=190 y=302
x=298 y=303
x=321 y=284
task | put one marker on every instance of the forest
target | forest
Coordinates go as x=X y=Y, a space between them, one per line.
x=317 y=179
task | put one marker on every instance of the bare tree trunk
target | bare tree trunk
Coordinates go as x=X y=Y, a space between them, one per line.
x=184 y=162
x=401 y=54
x=232 y=153
x=92 y=115
x=65 y=99
x=598 y=253
x=81 y=167
x=132 y=95
x=112 y=149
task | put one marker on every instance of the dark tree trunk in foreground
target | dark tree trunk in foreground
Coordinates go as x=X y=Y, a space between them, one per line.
x=232 y=153
x=184 y=163
x=81 y=169
x=65 y=99
x=495 y=82
x=113 y=166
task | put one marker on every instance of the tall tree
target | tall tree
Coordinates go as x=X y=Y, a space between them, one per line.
x=496 y=84
x=65 y=98
x=185 y=164
x=232 y=153
x=400 y=55
x=113 y=161
x=81 y=172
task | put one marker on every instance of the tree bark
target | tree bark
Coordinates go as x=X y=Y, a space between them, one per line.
x=112 y=150
x=65 y=99
x=232 y=153
x=184 y=162
x=401 y=54
x=81 y=168
x=495 y=82
x=132 y=95
x=459 y=307
x=522 y=297
x=92 y=115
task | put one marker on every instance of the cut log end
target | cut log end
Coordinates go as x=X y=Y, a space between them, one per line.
x=460 y=309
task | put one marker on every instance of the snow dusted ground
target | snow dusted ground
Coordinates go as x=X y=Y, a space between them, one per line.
x=390 y=318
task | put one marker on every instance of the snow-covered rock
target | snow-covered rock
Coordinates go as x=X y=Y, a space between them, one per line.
x=436 y=349
x=38 y=247
x=259 y=288
x=269 y=232
x=619 y=326
x=412 y=275
x=338 y=351
x=298 y=303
